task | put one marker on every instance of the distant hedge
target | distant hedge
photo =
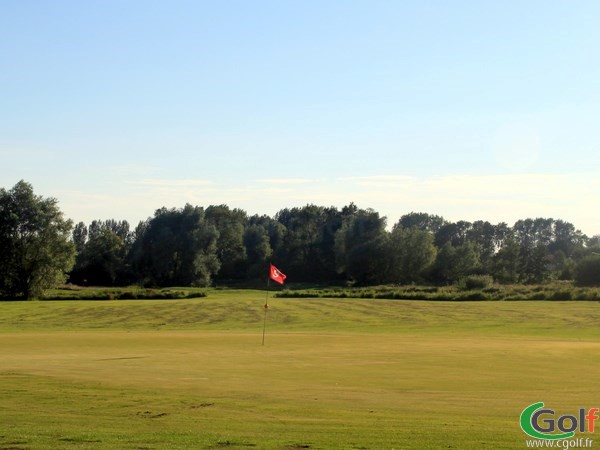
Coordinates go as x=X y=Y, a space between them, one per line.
x=133 y=293
x=459 y=292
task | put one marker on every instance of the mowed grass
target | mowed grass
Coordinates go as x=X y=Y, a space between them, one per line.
x=333 y=374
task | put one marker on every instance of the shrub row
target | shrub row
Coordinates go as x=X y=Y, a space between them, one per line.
x=463 y=291
x=77 y=293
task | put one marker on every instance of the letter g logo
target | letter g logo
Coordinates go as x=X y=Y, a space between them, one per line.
x=533 y=429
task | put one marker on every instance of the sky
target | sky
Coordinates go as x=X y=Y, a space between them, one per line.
x=471 y=110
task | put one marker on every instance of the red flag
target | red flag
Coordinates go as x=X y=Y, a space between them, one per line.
x=276 y=275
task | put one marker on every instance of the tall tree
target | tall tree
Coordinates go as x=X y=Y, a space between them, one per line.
x=534 y=237
x=177 y=247
x=455 y=262
x=258 y=251
x=505 y=264
x=422 y=221
x=567 y=238
x=275 y=230
x=80 y=235
x=588 y=271
x=483 y=235
x=230 y=224
x=453 y=232
x=412 y=253
x=362 y=247
x=101 y=253
x=594 y=242
x=534 y=264
x=308 y=244
x=36 y=249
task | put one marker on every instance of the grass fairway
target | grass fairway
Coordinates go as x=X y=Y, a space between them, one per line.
x=333 y=374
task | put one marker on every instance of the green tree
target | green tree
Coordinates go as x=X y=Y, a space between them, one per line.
x=587 y=272
x=36 y=250
x=483 y=234
x=534 y=264
x=594 y=243
x=455 y=233
x=258 y=251
x=567 y=238
x=177 y=247
x=562 y=267
x=80 y=235
x=362 y=247
x=411 y=254
x=230 y=224
x=422 y=221
x=505 y=263
x=535 y=237
x=101 y=253
x=456 y=262
x=309 y=242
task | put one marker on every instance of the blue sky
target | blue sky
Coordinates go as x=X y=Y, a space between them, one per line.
x=470 y=110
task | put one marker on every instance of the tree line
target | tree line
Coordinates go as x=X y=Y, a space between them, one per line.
x=200 y=246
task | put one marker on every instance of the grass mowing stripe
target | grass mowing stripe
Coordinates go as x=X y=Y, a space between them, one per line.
x=242 y=311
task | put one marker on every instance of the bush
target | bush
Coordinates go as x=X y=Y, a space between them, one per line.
x=587 y=272
x=71 y=293
x=555 y=291
x=561 y=295
x=476 y=282
x=473 y=296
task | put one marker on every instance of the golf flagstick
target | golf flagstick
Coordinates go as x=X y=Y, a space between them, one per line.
x=275 y=275
x=266 y=308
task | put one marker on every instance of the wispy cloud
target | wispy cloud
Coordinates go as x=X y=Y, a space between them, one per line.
x=376 y=178
x=381 y=180
x=164 y=182
x=495 y=197
x=285 y=181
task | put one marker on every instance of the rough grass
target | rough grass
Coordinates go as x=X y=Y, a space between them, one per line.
x=334 y=373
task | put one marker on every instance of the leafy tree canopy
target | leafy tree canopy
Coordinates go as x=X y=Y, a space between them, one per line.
x=35 y=246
